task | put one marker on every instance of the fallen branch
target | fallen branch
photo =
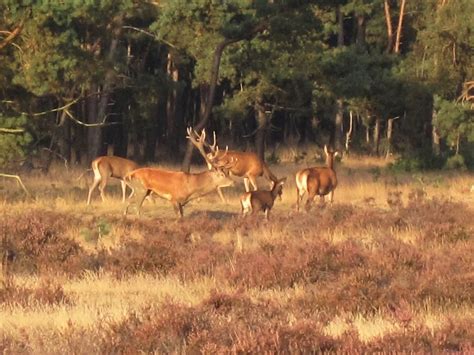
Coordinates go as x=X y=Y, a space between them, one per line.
x=18 y=179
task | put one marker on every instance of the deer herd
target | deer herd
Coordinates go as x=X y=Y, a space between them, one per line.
x=180 y=187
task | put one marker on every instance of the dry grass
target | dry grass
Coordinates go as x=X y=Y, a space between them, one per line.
x=388 y=266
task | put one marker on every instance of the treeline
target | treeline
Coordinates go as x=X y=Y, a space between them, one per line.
x=80 y=79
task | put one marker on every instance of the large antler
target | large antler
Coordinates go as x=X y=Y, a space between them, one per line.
x=214 y=158
x=199 y=140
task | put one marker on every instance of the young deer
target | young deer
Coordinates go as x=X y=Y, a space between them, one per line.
x=111 y=166
x=254 y=201
x=317 y=181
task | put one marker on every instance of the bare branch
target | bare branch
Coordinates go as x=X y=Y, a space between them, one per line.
x=36 y=114
x=149 y=34
x=18 y=179
x=101 y=124
x=11 y=36
x=12 y=130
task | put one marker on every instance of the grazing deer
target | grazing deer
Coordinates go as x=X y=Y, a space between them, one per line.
x=254 y=201
x=179 y=187
x=243 y=164
x=317 y=181
x=110 y=166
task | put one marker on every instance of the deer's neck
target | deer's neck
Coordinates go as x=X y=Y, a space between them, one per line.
x=330 y=162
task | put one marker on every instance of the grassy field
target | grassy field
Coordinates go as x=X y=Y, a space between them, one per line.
x=388 y=266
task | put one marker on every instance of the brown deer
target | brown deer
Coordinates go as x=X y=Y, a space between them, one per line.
x=254 y=201
x=110 y=166
x=242 y=164
x=178 y=187
x=317 y=181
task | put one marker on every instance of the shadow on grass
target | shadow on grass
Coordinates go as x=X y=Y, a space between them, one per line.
x=221 y=215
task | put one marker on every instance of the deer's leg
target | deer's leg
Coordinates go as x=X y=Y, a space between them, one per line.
x=178 y=208
x=147 y=193
x=331 y=196
x=102 y=184
x=221 y=195
x=299 y=197
x=310 y=198
x=124 y=187
x=253 y=181
x=267 y=213
x=246 y=183
x=131 y=188
x=92 y=188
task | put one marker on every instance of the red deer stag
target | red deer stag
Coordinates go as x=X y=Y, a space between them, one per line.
x=317 y=181
x=254 y=201
x=243 y=164
x=178 y=187
x=110 y=166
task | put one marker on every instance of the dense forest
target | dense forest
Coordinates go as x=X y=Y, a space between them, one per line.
x=81 y=79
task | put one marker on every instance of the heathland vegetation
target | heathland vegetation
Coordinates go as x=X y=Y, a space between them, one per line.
x=388 y=266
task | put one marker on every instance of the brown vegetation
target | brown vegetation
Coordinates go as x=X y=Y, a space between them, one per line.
x=393 y=274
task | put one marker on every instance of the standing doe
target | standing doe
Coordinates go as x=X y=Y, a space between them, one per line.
x=110 y=166
x=317 y=181
x=254 y=201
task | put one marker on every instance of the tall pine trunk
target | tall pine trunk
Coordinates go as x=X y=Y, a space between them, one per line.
x=339 y=105
x=95 y=135
x=377 y=136
x=260 y=134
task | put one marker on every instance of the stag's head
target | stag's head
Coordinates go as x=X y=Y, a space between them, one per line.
x=215 y=158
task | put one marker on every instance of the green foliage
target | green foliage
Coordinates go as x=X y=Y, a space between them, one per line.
x=454 y=119
x=455 y=162
x=417 y=160
x=13 y=145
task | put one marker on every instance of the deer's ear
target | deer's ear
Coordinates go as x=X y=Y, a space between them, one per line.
x=337 y=154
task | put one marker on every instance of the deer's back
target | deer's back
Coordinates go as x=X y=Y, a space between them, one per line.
x=114 y=166
x=245 y=163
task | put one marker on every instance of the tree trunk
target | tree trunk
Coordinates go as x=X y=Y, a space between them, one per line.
x=349 y=132
x=339 y=106
x=399 y=28
x=206 y=111
x=435 y=137
x=338 y=124
x=377 y=136
x=389 y=137
x=361 y=26
x=388 y=20
x=262 y=123
x=172 y=104
x=340 y=26
x=458 y=143
x=212 y=87
x=94 y=134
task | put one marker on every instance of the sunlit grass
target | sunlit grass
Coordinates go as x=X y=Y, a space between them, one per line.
x=101 y=298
